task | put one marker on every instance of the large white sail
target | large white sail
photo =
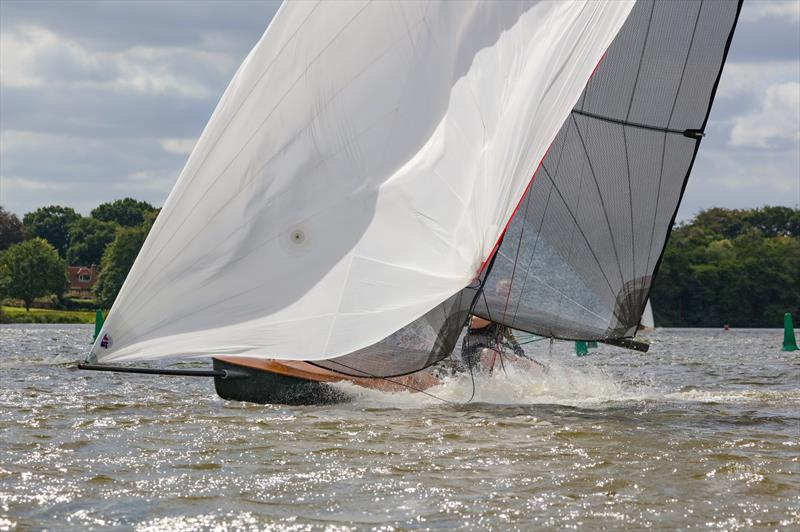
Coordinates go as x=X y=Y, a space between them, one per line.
x=358 y=170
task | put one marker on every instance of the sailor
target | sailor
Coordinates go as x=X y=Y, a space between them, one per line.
x=485 y=337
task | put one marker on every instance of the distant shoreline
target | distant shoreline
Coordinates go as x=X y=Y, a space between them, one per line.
x=41 y=315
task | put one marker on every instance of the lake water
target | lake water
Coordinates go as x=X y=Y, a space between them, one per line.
x=702 y=432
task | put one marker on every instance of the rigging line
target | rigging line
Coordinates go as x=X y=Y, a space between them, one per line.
x=580 y=230
x=560 y=293
x=602 y=201
x=641 y=60
x=572 y=233
x=410 y=387
x=500 y=348
x=269 y=115
x=478 y=294
x=486 y=304
x=533 y=251
x=541 y=221
x=471 y=375
x=482 y=285
x=541 y=281
x=630 y=200
x=516 y=257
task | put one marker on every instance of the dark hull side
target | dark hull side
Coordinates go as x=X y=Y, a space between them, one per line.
x=264 y=387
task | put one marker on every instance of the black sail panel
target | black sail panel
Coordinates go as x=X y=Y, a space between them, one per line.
x=420 y=344
x=578 y=258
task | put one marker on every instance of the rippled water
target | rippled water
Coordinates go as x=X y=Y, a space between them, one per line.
x=703 y=432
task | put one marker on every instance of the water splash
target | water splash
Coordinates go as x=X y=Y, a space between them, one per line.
x=555 y=384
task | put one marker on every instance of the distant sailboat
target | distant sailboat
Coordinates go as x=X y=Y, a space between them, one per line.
x=365 y=184
x=647 y=323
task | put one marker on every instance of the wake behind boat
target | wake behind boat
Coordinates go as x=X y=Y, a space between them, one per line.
x=368 y=181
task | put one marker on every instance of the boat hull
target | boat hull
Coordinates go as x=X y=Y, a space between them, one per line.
x=291 y=382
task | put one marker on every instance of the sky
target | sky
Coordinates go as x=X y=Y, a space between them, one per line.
x=102 y=100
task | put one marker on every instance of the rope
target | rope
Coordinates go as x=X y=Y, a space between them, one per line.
x=410 y=387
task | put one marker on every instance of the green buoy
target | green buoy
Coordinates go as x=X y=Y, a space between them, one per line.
x=789 y=341
x=581 y=349
x=98 y=323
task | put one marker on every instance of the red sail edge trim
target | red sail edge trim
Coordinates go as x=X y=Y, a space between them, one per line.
x=530 y=182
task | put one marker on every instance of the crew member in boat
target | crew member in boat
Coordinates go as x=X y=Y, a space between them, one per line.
x=485 y=339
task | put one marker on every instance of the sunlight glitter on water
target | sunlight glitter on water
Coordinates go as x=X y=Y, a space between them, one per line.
x=675 y=439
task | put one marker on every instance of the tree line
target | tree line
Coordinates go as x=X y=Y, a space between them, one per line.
x=35 y=251
x=736 y=267
x=740 y=267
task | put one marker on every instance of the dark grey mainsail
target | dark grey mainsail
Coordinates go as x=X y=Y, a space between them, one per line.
x=578 y=258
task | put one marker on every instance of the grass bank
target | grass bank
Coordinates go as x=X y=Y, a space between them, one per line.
x=41 y=315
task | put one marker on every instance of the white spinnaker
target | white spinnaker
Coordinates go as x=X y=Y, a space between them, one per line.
x=359 y=168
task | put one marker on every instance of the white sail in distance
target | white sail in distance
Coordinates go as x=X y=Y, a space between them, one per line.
x=359 y=170
x=647 y=320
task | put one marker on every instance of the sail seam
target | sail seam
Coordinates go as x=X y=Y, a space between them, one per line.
x=574 y=219
x=544 y=211
x=641 y=60
x=602 y=201
x=664 y=145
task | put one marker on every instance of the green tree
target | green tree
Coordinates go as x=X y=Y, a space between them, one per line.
x=117 y=261
x=774 y=221
x=730 y=266
x=11 y=230
x=32 y=269
x=51 y=223
x=88 y=239
x=126 y=212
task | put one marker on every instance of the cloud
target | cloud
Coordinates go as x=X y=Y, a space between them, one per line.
x=230 y=26
x=33 y=56
x=751 y=178
x=783 y=10
x=775 y=123
x=178 y=146
x=749 y=78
